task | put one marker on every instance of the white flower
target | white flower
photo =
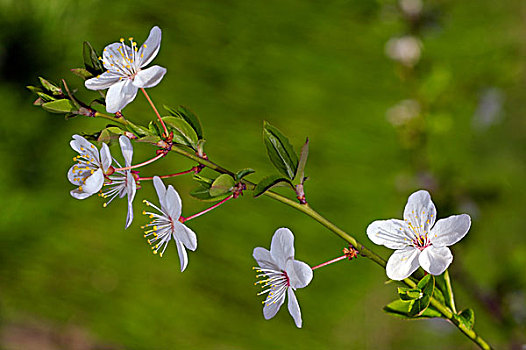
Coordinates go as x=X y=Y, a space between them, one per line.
x=167 y=225
x=89 y=172
x=416 y=240
x=124 y=74
x=406 y=50
x=122 y=183
x=282 y=274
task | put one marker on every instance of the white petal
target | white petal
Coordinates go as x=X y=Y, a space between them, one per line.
x=183 y=257
x=73 y=176
x=114 y=58
x=420 y=211
x=184 y=234
x=264 y=259
x=94 y=183
x=402 y=263
x=105 y=157
x=83 y=146
x=131 y=188
x=435 y=260
x=161 y=191
x=127 y=149
x=294 y=308
x=299 y=273
x=151 y=47
x=271 y=309
x=173 y=203
x=394 y=234
x=119 y=95
x=103 y=81
x=450 y=230
x=282 y=247
x=79 y=194
x=149 y=77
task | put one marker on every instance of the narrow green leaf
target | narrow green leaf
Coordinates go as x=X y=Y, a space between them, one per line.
x=91 y=59
x=268 y=182
x=400 y=308
x=280 y=151
x=222 y=185
x=184 y=134
x=467 y=317
x=203 y=194
x=82 y=73
x=34 y=89
x=59 y=106
x=137 y=129
x=426 y=285
x=55 y=90
x=188 y=116
x=300 y=174
x=154 y=129
x=45 y=97
x=244 y=172
x=203 y=180
x=149 y=139
x=409 y=293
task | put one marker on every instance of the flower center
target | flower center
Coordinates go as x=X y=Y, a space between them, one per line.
x=274 y=282
x=421 y=242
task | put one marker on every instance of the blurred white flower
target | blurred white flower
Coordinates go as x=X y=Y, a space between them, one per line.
x=411 y=8
x=282 y=275
x=489 y=110
x=122 y=183
x=124 y=73
x=416 y=241
x=89 y=171
x=406 y=50
x=403 y=112
x=167 y=224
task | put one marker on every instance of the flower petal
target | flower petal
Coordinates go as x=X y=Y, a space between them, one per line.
x=282 y=247
x=299 y=273
x=149 y=77
x=173 y=203
x=114 y=58
x=94 y=183
x=74 y=176
x=450 y=230
x=264 y=259
x=183 y=257
x=161 y=191
x=184 y=234
x=294 y=308
x=131 y=188
x=105 y=157
x=435 y=260
x=76 y=193
x=402 y=263
x=103 y=81
x=393 y=233
x=151 y=47
x=83 y=146
x=271 y=309
x=119 y=95
x=420 y=211
x=127 y=150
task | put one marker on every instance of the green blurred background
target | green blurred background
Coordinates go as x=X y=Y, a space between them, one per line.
x=445 y=112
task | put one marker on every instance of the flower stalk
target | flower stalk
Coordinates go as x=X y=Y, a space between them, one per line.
x=156 y=112
x=450 y=291
x=182 y=219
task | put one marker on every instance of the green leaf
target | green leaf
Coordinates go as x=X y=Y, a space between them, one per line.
x=300 y=174
x=409 y=293
x=137 y=129
x=222 y=185
x=154 y=129
x=188 y=116
x=268 y=182
x=82 y=73
x=467 y=318
x=184 y=134
x=45 y=97
x=149 y=139
x=204 y=181
x=110 y=134
x=203 y=194
x=60 y=106
x=280 y=151
x=244 y=172
x=34 y=89
x=400 y=308
x=91 y=60
x=55 y=90
x=426 y=285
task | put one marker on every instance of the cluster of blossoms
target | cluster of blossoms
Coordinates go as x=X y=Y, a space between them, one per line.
x=417 y=240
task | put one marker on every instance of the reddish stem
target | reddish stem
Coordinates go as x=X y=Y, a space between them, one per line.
x=141 y=164
x=182 y=219
x=156 y=112
x=169 y=175
x=329 y=262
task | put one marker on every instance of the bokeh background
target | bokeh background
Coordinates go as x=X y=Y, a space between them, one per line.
x=394 y=96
